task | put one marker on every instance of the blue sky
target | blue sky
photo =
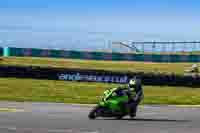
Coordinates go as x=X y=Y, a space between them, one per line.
x=81 y=22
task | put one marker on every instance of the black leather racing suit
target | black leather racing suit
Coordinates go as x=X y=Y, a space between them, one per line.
x=135 y=95
x=135 y=101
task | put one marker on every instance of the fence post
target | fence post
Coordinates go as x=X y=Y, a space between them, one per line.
x=6 y=52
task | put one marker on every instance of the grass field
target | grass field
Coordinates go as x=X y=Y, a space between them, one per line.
x=12 y=89
x=122 y=66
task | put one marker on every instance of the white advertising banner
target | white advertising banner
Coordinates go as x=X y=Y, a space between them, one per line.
x=95 y=78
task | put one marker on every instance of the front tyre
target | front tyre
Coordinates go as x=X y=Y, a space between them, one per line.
x=93 y=113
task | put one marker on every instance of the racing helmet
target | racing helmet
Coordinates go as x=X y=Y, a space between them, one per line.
x=132 y=83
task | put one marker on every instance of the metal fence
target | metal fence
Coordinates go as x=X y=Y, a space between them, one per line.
x=99 y=55
x=1 y=51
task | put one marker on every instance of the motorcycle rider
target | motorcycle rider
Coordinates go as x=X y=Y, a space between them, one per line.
x=135 y=95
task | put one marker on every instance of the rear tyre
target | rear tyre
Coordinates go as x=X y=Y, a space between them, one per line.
x=120 y=117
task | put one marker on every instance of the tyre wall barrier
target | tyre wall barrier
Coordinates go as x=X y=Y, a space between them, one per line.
x=23 y=52
x=97 y=76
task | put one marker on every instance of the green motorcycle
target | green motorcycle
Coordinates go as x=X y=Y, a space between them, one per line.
x=110 y=105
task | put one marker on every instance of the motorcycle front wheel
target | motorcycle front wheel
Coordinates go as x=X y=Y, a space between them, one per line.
x=93 y=113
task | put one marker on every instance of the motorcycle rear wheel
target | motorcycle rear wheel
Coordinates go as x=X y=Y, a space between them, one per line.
x=120 y=117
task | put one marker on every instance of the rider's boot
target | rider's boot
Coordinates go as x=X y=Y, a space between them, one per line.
x=133 y=110
x=133 y=113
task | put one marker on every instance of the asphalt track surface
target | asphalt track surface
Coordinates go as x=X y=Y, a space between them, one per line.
x=64 y=118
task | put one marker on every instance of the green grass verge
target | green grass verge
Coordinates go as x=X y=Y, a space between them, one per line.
x=122 y=66
x=12 y=89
